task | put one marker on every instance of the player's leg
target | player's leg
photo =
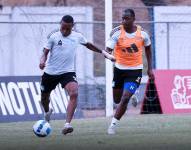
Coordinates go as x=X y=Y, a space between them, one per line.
x=117 y=93
x=45 y=101
x=134 y=100
x=120 y=110
x=130 y=85
x=70 y=84
x=118 y=81
x=117 y=86
x=48 y=83
x=72 y=89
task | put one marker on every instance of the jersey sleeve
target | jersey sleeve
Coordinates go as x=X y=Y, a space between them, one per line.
x=82 y=39
x=49 y=43
x=146 y=37
x=111 y=42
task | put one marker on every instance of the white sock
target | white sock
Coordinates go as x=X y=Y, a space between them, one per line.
x=114 y=122
x=67 y=124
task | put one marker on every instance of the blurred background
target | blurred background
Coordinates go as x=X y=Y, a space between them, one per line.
x=25 y=25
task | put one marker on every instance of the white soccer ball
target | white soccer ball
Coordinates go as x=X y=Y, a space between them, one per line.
x=42 y=128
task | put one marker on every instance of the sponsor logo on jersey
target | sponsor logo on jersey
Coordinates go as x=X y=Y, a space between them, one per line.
x=59 y=42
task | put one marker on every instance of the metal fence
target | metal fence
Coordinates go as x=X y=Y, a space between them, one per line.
x=172 y=38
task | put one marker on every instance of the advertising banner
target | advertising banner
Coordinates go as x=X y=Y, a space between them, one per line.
x=20 y=99
x=174 y=90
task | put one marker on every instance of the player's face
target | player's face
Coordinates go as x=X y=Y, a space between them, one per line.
x=128 y=20
x=66 y=28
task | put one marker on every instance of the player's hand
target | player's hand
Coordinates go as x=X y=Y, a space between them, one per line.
x=108 y=56
x=42 y=65
x=150 y=74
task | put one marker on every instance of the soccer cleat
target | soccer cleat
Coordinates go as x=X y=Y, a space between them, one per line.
x=134 y=100
x=111 y=130
x=48 y=114
x=67 y=129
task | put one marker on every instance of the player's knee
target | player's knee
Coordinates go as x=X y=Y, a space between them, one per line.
x=116 y=100
x=125 y=100
x=73 y=98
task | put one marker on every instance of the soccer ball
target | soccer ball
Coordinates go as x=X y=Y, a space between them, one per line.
x=42 y=128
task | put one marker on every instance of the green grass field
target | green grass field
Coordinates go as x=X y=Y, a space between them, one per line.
x=144 y=132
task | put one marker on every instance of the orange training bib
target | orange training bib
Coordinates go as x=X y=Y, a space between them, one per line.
x=128 y=51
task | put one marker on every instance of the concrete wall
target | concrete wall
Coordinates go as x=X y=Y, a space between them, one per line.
x=178 y=2
x=21 y=44
x=172 y=40
x=98 y=15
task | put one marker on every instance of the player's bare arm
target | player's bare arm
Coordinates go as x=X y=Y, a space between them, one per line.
x=43 y=58
x=109 y=50
x=149 y=61
x=95 y=49
x=92 y=47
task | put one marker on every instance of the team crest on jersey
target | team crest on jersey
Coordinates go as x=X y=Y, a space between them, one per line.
x=60 y=42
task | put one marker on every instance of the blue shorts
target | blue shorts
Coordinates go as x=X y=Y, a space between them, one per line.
x=127 y=79
x=131 y=87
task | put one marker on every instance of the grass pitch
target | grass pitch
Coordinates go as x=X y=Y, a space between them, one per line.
x=137 y=132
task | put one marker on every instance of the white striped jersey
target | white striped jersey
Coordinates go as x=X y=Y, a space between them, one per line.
x=62 y=53
x=115 y=34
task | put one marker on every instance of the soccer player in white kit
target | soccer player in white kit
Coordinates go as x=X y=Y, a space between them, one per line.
x=59 y=67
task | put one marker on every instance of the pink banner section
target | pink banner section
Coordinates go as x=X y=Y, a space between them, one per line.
x=174 y=90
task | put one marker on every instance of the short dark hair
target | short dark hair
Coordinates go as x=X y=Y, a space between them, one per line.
x=129 y=11
x=68 y=19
